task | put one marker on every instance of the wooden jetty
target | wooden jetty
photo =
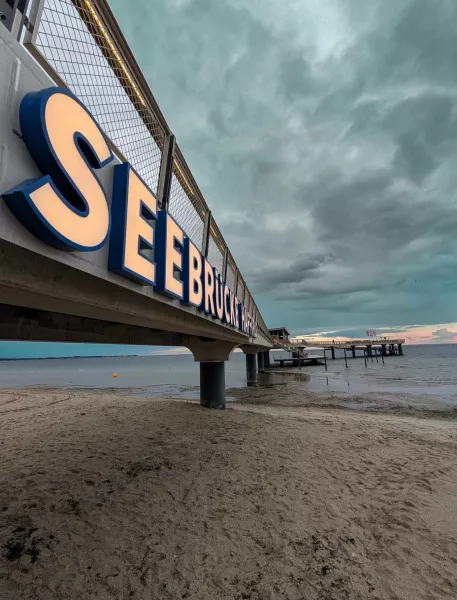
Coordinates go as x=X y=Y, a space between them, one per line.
x=309 y=361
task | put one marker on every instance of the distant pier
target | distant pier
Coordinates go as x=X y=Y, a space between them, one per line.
x=387 y=347
x=370 y=346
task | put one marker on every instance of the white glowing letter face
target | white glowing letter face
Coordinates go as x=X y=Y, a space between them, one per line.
x=227 y=304
x=233 y=318
x=192 y=274
x=242 y=318
x=208 y=289
x=170 y=245
x=134 y=211
x=237 y=313
x=67 y=208
x=218 y=295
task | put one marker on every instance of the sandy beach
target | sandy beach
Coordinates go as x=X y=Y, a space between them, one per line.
x=114 y=496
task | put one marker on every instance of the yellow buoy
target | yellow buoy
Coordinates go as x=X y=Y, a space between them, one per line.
x=114 y=375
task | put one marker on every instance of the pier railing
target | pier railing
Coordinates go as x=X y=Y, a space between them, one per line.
x=81 y=47
x=345 y=344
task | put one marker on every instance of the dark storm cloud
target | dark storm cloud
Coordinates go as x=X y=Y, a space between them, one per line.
x=324 y=137
x=305 y=266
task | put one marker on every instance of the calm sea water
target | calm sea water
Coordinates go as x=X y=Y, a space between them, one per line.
x=428 y=372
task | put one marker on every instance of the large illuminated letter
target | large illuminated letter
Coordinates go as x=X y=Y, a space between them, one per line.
x=236 y=313
x=208 y=289
x=192 y=274
x=169 y=258
x=233 y=299
x=242 y=318
x=227 y=304
x=133 y=211
x=67 y=208
x=219 y=295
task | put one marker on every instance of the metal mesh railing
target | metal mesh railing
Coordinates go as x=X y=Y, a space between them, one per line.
x=248 y=301
x=231 y=274
x=262 y=325
x=74 y=42
x=215 y=256
x=241 y=288
x=184 y=212
x=216 y=247
x=80 y=44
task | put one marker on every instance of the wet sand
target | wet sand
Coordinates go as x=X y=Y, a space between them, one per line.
x=289 y=388
x=113 y=496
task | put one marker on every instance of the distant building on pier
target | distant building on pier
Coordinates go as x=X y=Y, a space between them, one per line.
x=280 y=334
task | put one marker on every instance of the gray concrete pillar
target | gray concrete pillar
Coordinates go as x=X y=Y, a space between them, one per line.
x=392 y=350
x=384 y=350
x=353 y=351
x=400 y=349
x=261 y=362
x=333 y=353
x=251 y=369
x=369 y=351
x=212 y=384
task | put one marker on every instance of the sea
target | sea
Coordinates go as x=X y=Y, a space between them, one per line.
x=425 y=374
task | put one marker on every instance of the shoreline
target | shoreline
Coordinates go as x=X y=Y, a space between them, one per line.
x=20 y=359
x=371 y=403
x=291 y=395
x=109 y=495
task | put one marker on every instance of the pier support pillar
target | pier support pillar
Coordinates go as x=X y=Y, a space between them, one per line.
x=251 y=369
x=261 y=362
x=212 y=385
x=296 y=357
x=384 y=350
x=400 y=349
x=211 y=354
x=369 y=351
x=333 y=353
x=353 y=351
x=392 y=350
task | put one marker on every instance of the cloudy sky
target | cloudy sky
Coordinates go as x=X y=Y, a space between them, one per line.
x=323 y=135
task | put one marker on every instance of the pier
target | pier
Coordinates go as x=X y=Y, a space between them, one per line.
x=369 y=347
x=126 y=250
x=387 y=346
x=105 y=236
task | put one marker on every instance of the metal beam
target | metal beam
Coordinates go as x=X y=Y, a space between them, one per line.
x=166 y=172
x=36 y=10
x=206 y=228
x=224 y=265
